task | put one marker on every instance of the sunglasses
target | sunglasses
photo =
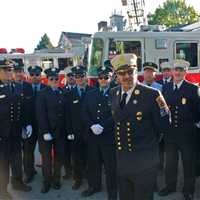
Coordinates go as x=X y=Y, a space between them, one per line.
x=79 y=75
x=124 y=72
x=34 y=74
x=53 y=78
x=8 y=69
x=105 y=77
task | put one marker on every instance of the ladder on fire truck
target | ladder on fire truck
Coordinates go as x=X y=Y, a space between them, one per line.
x=136 y=13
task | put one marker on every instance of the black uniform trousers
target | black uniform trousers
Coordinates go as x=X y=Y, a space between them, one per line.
x=16 y=153
x=138 y=186
x=29 y=145
x=4 y=163
x=187 y=151
x=51 y=167
x=78 y=158
x=68 y=157
x=99 y=154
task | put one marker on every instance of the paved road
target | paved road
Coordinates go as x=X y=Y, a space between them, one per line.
x=66 y=193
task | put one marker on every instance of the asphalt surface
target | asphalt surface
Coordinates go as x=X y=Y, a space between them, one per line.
x=66 y=193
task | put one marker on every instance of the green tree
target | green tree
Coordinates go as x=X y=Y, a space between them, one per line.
x=173 y=13
x=44 y=43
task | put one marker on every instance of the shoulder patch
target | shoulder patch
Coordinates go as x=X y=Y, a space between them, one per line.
x=161 y=102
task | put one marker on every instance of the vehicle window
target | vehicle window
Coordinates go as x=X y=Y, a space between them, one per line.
x=120 y=47
x=188 y=51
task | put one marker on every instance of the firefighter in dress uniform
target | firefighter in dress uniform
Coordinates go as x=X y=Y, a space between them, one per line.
x=52 y=116
x=22 y=127
x=182 y=98
x=100 y=136
x=70 y=84
x=29 y=143
x=139 y=113
x=76 y=134
x=166 y=73
x=11 y=129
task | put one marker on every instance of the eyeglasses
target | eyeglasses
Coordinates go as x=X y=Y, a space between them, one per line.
x=53 y=78
x=124 y=72
x=34 y=74
x=70 y=75
x=79 y=75
x=105 y=77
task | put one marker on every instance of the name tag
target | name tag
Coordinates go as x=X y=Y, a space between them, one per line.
x=76 y=101
x=2 y=96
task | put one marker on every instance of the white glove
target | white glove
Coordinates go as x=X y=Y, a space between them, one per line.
x=97 y=129
x=29 y=131
x=71 y=137
x=197 y=124
x=47 y=137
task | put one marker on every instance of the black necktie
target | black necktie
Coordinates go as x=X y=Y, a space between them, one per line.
x=82 y=92
x=35 y=90
x=123 y=100
x=12 y=87
x=102 y=91
x=175 y=88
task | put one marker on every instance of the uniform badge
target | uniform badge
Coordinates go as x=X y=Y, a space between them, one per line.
x=117 y=93
x=134 y=101
x=137 y=92
x=161 y=102
x=184 y=101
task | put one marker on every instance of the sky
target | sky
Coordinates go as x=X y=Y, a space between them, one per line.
x=23 y=22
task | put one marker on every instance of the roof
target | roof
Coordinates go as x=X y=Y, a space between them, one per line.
x=72 y=35
x=186 y=27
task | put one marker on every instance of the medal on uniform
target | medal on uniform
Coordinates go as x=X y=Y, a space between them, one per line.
x=184 y=101
x=137 y=92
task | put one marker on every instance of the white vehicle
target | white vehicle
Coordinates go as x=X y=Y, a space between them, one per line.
x=156 y=47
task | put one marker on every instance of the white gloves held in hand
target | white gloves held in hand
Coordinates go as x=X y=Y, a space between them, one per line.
x=97 y=129
x=47 y=137
x=27 y=132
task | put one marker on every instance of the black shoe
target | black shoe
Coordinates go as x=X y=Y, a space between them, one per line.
x=5 y=195
x=45 y=187
x=28 y=179
x=77 y=184
x=56 y=185
x=166 y=191
x=188 y=197
x=89 y=192
x=20 y=186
